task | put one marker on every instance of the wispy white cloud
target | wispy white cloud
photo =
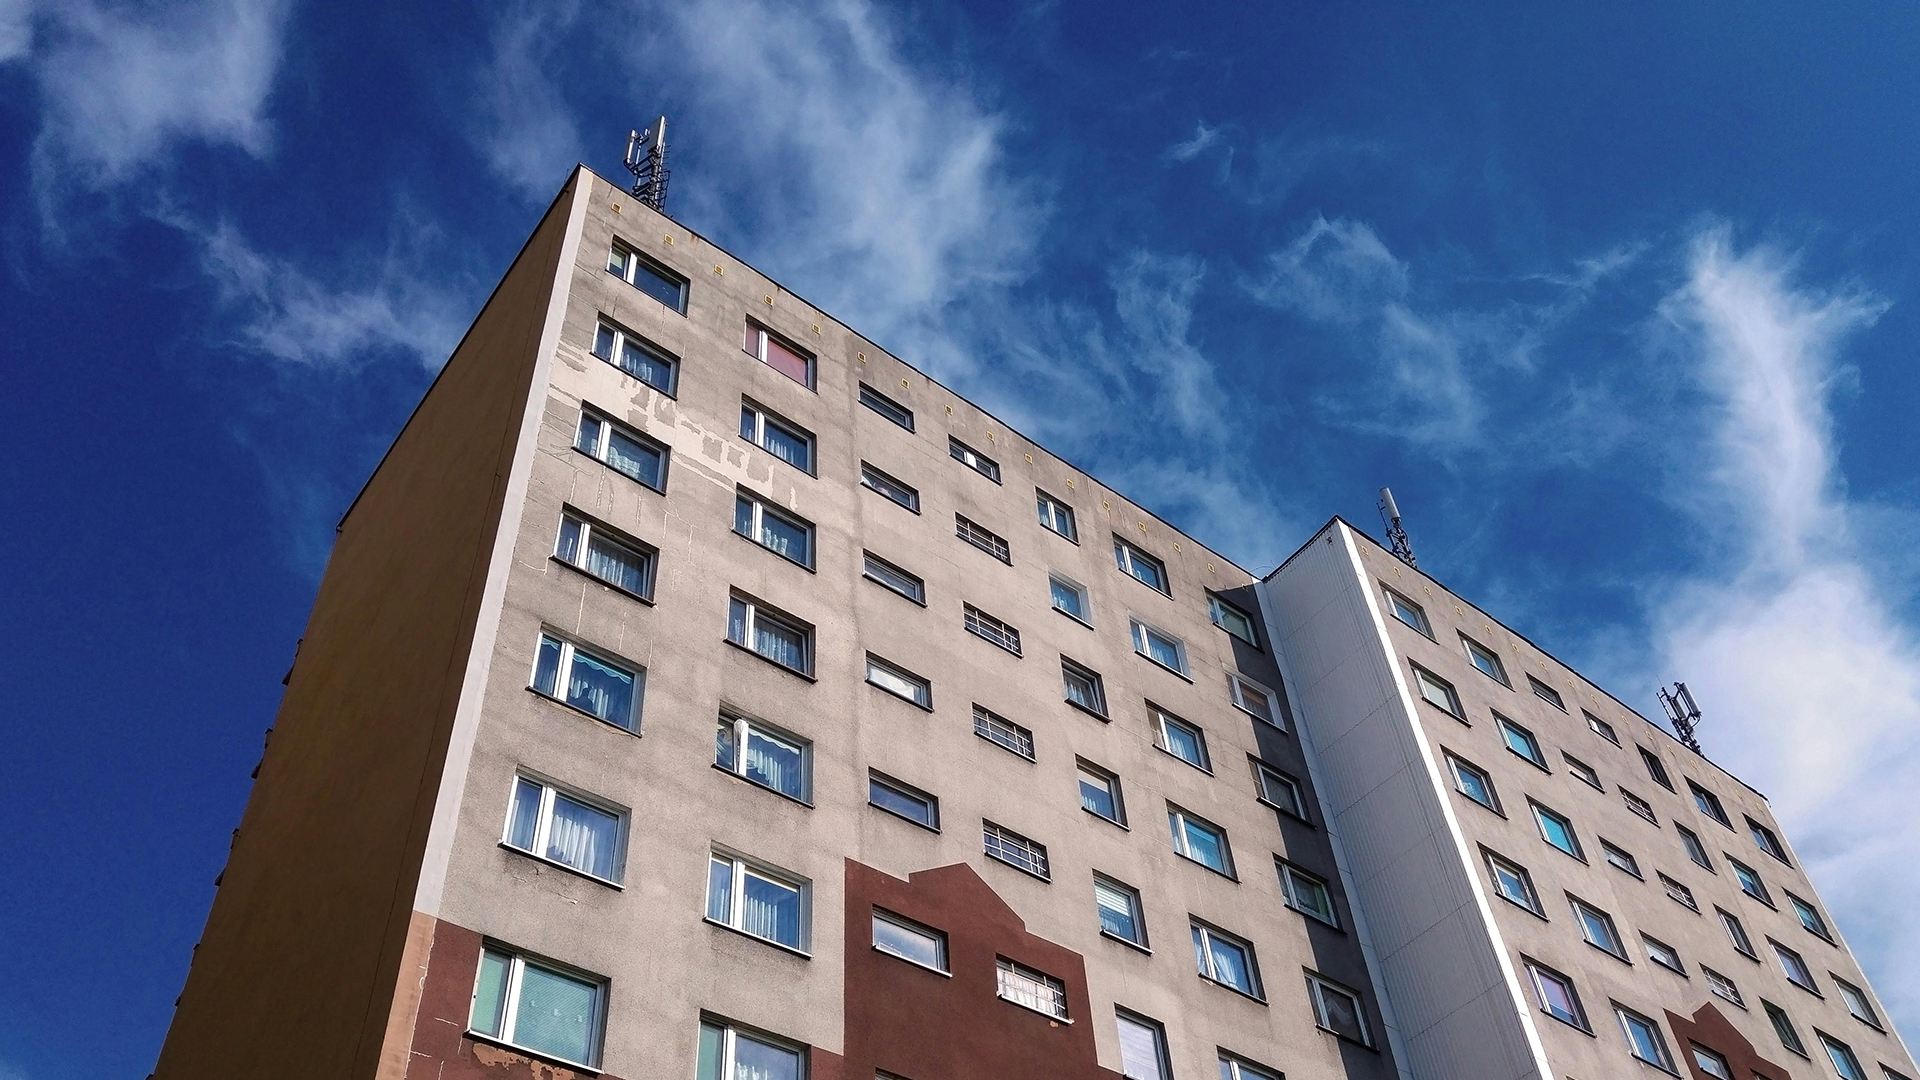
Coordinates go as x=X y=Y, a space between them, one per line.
x=16 y=29
x=1204 y=138
x=523 y=126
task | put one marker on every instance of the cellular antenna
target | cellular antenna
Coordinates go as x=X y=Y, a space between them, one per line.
x=1396 y=535
x=647 y=161
x=1684 y=714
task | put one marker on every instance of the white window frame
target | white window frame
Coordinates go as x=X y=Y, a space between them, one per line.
x=543 y=825
x=730 y=1036
x=1317 y=987
x=1456 y=765
x=744 y=727
x=1235 y=1067
x=760 y=337
x=1125 y=553
x=1541 y=814
x=1095 y=685
x=623 y=339
x=1265 y=775
x=1711 y=1062
x=1054 y=578
x=1002 y=732
x=1531 y=896
x=1836 y=1051
x=562 y=676
x=1679 y=892
x=1655 y=950
x=1781 y=953
x=1626 y=1016
x=1508 y=729
x=1055 y=512
x=1783 y=1028
x=632 y=259
x=1217 y=610
x=1237 y=687
x=983 y=538
x=736 y=900
x=1426 y=680
x=1737 y=935
x=1205 y=934
x=764 y=418
x=1610 y=850
x=889 y=487
x=1601 y=728
x=1708 y=803
x=1179 y=820
x=1722 y=987
x=1640 y=807
x=1538 y=975
x=518 y=962
x=1016 y=983
x=1086 y=771
x=1656 y=768
x=755 y=612
x=590 y=531
x=919 y=690
x=1810 y=918
x=908 y=792
x=761 y=509
x=1587 y=774
x=990 y=628
x=1293 y=879
x=973 y=459
x=893 y=411
x=600 y=449
x=1477 y=652
x=1767 y=840
x=936 y=938
x=1547 y=693
x=1396 y=601
x=1695 y=848
x=1143 y=634
x=1136 y=909
x=1750 y=880
x=918 y=591
x=1614 y=946
x=1155 y=1032
x=1163 y=721
x=994 y=837
x=1857 y=1003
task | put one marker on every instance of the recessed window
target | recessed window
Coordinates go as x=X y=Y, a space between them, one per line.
x=1200 y=840
x=1160 y=647
x=1521 y=741
x=1084 y=687
x=1638 y=805
x=1143 y=567
x=538 y=1006
x=981 y=624
x=564 y=828
x=779 y=354
x=1663 y=954
x=1722 y=986
x=1307 y=893
x=1736 y=933
x=1600 y=727
x=784 y=534
x=1556 y=995
x=888 y=576
x=1783 y=1027
x=1252 y=698
x=1810 y=918
x=899 y=682
x=1597 y=928
x=1512 y=882
x=1056 y=515
x=1225 y=959
x=1582 y=770
x=1100 y=793
x=1438 y=692
x=1842 y=1057
x=1546 y=693
x=764 y=755
x=903 y=800
x=1002 y=732
x=896 y=490
x=622 y=449
x=983 y=538
x=1857 y=1002
x=973 y=459
x=1035 y=990
x=1179 y=738
x=1408 y=612
x=1120 y=911
x=733 y=1053
x=1695 y=849
x=1644 y=1038
x=1678 y=893
x=886 y=406
x=1278 y=790
x=1557 y=829
x=1750 y=882
x=592 y=683
x=1656 y=769
x=774 y=635
x=757 y=900
x=637 y=356
x=1143 y=1048
x=1767 y=841
x=777 y=435
x=1015 y=850
x=1231 y=619
x=1709 y=804
x=1712 y=1062
x=1070 y=598
x=623 y=563
x=908 y=940
x=1234 y=1067
x=1620 y=858
x=1338 y=1009
x=1474 y=782
x=648 y=276
x=1795 y=966
x=1486 y=660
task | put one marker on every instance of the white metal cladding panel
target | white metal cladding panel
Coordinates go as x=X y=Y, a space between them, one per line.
x=1474 y=1042
x=1442 y=968
x=1402 y=915
x=1386 y=823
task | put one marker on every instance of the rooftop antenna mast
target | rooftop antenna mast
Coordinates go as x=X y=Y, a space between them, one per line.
x=647 y=161
x=1684 y=714
x=1396 y=535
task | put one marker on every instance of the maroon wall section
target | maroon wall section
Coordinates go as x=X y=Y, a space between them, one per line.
x=1712 y=1030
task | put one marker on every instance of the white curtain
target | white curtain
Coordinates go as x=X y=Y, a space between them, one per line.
x=582 y=837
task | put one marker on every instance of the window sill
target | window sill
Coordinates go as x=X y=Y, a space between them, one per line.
x=1581 y=1028
x=778 y=458
x=1529 y=761
x=750 y=782
x=1028 y=758
x=1494 y=810
x=1667 y=967
x=764 y=660
x=1449 y=714
x=1348 y=1039
x=625 y=374
x=1310 y=916
x=1134 y=945
x=1100 y=716
x=1121 y=825
x=1182 y=760
x=804 y=566
x=1281 y=728
x=1015 y=653
x=1270 y=804
x=901 y=696
x=1071 y=615
x=1123 y=573
x=1074 y=540
x=994 y=555
x=894 y=591
x=552 y=1059
x=1255 y=998
x=1536 y=914
x=660 y=488
x=934 y=829
x=1037 y=1012
x=1223 y=873
x=915 y=963
x=570 y=707
x=557 y=865
x=788 y=949
x=1017 y=866
x=1162 y=666
x=1653 y=1065
x=1615 y=955
x=602 y=582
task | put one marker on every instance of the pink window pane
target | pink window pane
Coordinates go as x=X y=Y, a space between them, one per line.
x=787 y=362
x=752 y=342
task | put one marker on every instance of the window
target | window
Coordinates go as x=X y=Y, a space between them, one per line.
x=1306 y=893
x=1750 y=882
x=1145 y=568
x=1783 y=1027
x=973 y=459
x=1709 y=804
x=550 y=824
x=1252 y=698
x=1600 y=727
x=1679 y=893
x=1597 y=928
x=903 y=800
x=1474 y=782
x=1546 y=693
x=986 y=626
x=731 y=1053
x=1656 y=769
x=886 y=406
x=1557 y=829
x=1100 y=793
x=621 y=448
x=637 y=356
x=774 y=529
x=874 y=480
x=1338 y=1009
x=1796 y=967
x=1277 y=789
x=1438 y=692
x=1737 y=933
x=539 y=1007
x=1200 y=840
x=1644 y=1038
x=1512 y=882
x=783 y=640
x=1015 y=850
x=1663 y=954
x=1842 y=1057
x=1033 y=989
x=1070 y=598
x=648 y=276
x=1521 y=741
x=1232 y=620
x=1160 y=647
x=1620 y=857
x=1857 y=1002
x=1120 y=914
x=995 y=728
x=1582 y=770
x=587 y=545
x=1056 y=515
x=588 y=682
x=777 y=435
x=778 y=354
x=1225 y=959
x=1143 y=1048
x=1486 y=660
x=1722 y=986
x=1768 y=842
x=1408 y=612
x=756 y=900
x=1638 y=805
x=982 y=537
x=909 y=941
x=888 y=576
x=765 y=756
x=1695 y=849
x=1810 y=918
x=1233 y=1067
x=898 y=681
x=1891 y=1075
x=1712 y=1063
x=1084 y=688
x=1179 y=738
x=1556 y=995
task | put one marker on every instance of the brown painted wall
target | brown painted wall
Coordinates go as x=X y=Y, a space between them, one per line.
x=295 y=971
x=1711 y=1029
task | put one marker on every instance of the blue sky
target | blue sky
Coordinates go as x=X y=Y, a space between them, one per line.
x=1618 y=298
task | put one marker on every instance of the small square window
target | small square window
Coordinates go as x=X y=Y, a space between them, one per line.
x=1750 y=882
x=888 y=576
x=1056 y=515
x=1600 y=727
x=1638 y=805
x=764 y=755
x=983 y=625
x=773 y=635
x=1234 y=1067
x=1002 y=732
x=983 y=538
x=1438 y=692
x=1557 y=829
x=894 y=490
x=903 y=800
x=1100 y=793
x=1663 y=954
x=758 y=900
x=1512 y=882
x=1582 y=770
x=605 y=553
x=539 y=1006
x=1810 y=918
x=1307 y=893
x=973 y=459
x=1695 y=849
x=1179 y=738
x=1120 y=911
x=1842 y=1057
x=1783 y=1027
x=1521 y=741
x=1857 y=1002
x=1712 y=1062
x=1160 y=647
x=594 y=684
x=1015 y=850
x=1474 y=782
x=648 y=276
x=1795 y=967
x=1722 y=987
x=1656 y=769
x=1736 y=933
x=1143 y=1047
x=1225 y=959
x=637 y=356
x=898 y=936
x=1486 y=660
x=574 y=831
x=1767 y=841
x=1200 y=840
x=729 y=1052
x=1084 y=688
x=1070 y=598
x=1408 y=612
x=1256 y=700
x=622 y=449
x=1556 y=995
x=1644 y=1038
x=777 y=435
x=1597 y=928
x=1278 y=790
x=1546 y=693
x=779 y=354
x=784 y=534
x=1679 y=893
x=1231 y=619
x=886 y=406
x=1143 y=567
x=899 y=682
x=1620 y=858
x=1338 y=1009
x=1709 y=804
x=1033 y=989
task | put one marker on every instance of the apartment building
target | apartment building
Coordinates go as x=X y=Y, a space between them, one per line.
x=697 y=690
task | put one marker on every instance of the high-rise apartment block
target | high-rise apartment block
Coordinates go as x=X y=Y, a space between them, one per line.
x=698 y=691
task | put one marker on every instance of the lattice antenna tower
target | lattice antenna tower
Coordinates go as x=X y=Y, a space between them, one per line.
x=1396 y=533
x=647 y=161
x=1684 y=715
